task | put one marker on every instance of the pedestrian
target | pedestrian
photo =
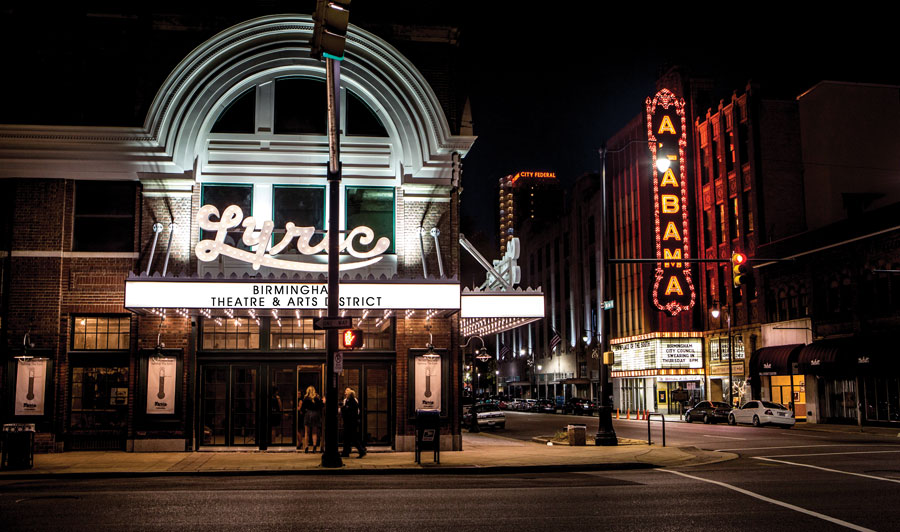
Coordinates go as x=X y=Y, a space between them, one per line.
x=311 y=409
x=350 y=412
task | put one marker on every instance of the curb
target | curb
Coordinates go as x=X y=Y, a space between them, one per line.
x=418 y=470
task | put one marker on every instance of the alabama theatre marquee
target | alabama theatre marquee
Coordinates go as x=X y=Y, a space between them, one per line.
x=163 y=282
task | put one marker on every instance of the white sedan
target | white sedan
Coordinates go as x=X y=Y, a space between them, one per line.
x=762 y=413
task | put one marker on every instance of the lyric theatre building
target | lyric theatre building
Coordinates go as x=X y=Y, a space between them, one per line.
x=161 y=283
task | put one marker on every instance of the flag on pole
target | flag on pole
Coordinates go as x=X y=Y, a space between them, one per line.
x=555 y=340
x=504 y=352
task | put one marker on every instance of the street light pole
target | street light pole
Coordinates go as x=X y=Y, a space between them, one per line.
x=606 y=434
x=331 y=457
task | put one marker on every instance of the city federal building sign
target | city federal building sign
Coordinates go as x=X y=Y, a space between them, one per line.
x=673 y=288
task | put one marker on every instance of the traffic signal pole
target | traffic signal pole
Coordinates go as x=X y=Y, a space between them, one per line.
x=331 y=456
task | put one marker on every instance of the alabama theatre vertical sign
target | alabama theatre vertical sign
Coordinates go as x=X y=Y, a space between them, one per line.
x=673 y=288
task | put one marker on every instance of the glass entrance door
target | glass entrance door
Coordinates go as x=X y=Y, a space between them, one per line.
x=229 y=405
x=282 y=406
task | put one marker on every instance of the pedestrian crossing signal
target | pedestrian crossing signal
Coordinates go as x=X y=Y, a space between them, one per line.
x=351 y=339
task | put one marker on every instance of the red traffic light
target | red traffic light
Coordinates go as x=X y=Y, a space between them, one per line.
x=738 y=258
x=739 y=273
x=351 y=339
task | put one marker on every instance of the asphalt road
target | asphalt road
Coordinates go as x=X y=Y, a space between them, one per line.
x=784 y=480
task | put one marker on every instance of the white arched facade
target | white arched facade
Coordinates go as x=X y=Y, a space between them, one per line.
x=172 y=145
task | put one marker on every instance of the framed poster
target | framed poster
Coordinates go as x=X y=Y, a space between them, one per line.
x=428 y=383
x=31 y=381
x=161 y=374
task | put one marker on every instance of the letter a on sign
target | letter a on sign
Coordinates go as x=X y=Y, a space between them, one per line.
x=669 y=179
x=666 y=126
x=671 y=232
x=674 y=286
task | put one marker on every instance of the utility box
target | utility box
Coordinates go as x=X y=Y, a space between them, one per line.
x=577 y=434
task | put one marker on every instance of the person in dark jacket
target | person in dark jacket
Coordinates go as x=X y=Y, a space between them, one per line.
x=311 y=409
x=350 y=413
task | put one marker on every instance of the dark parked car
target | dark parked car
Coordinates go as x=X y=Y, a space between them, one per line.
x=708 y=411
x=579 y=406
x=545 y=406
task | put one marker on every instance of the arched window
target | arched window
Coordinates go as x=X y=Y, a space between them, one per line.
x=239 y=116
x=300 y=106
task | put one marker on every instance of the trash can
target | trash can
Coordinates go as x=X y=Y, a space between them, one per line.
x=18 y=446
x=576 y=434
x=428 y=434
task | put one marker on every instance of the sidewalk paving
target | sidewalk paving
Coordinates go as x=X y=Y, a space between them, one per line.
x=482 y=453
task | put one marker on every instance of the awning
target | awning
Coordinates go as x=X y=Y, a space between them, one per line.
x=580 y=380
x=774 y=360
x=849 y=356
x=518 y=383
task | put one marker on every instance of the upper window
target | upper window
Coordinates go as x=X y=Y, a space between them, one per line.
x=239 y=116
x=230 y=333
x=102 y=334
x=304 y=206
x=372 y=207
x=300 y=107
x=361 y=120
x=223 y=196
x=104 y=216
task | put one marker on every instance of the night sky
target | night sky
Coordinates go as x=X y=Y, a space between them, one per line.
x=548 y=81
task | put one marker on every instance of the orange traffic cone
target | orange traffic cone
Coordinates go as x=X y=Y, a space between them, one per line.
x=617 y=413
x=628 y=414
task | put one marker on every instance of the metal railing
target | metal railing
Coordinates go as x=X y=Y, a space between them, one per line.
x=650 y=415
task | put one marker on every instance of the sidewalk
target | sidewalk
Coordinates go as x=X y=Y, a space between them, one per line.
x=482 y=454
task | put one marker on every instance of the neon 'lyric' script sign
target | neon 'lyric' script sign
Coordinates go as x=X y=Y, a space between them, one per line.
x=209 y=250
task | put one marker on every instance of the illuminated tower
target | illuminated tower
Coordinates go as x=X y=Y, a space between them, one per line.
x=527 y=195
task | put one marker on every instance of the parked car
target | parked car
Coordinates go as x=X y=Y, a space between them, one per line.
x=545 y=406
x=502 y=404
x=708 y=411
x=762 y=413
x=489 y=415
x=579 y=406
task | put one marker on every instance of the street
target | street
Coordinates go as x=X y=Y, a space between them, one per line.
x=784 y=480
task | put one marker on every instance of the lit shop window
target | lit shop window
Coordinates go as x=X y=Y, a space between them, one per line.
x=104 y=216
x=293 y=333
x=230 y=333
x=92 y=333
x=372 y=207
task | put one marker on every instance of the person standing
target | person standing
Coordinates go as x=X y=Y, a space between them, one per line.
x=350 y=412
x=311 y=409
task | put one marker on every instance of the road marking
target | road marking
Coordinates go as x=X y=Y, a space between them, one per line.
x=726 y=437
x=805 y=446
x=863 y=475
x=828 y=454
x=773 y=501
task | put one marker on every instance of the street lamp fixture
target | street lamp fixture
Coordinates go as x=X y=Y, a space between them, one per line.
x=663 y=164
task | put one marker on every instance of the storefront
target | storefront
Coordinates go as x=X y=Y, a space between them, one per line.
x=851 y=380
x=773 y=377
x=725 y=381
x=661 y=372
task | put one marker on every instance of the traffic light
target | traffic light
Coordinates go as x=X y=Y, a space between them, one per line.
x=351 y=339
x=330 y=31
x=740 y=273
